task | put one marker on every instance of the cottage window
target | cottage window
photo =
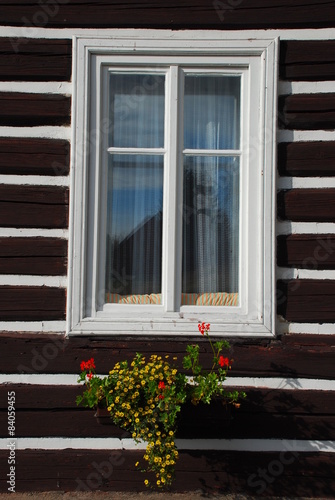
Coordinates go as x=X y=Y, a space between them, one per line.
x=173 y=169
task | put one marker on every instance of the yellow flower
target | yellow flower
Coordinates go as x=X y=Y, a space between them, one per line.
x=137 y=464
x=146 y=482
x=109 y=408
x=158 y=482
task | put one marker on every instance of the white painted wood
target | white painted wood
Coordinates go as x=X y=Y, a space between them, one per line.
x=305 y=135
x=68 y=33
x=256 y=445
x=287 y=273
x=42 y=132
x=34 y=180
x=305 y=182
x=212 y=152
x=33 y=326
x=293 y=88
x=312 y=329
x=30 y=376
x=27 y=280
x=32 y=233
x=172 y=194
x=256 y=60
x=288 y=227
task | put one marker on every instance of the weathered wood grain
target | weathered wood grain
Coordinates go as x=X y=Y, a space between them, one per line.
x=32 y=303
x=307 y=111
x=287 y=399
x=34 y=206
x=33 y=256
x=29 y=59
x=292 y=356
x=182 y=14
x=28 y=156
x=303 y=159
x=213 y=472
x=306 y=251
x=307 y=60
x=307 y=205
x=20 y=109
x=307 y=301
x=264 y=414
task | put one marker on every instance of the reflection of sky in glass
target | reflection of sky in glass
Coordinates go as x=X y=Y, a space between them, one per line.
x=211 y=224
x=135 y=192
x=212 y=112
x=136 y=110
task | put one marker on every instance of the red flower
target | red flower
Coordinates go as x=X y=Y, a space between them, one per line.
x=203 y=327
x=161 y=385
x=161 y=396
x=89 y=376
x=87 y=365
x=223 y=361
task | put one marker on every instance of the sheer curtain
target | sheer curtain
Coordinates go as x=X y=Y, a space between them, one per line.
x=135 y=186
x=211 y=184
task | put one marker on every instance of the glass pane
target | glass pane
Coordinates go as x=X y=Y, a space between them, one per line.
x=136 y=110
x=210 y=228
x=212 y=112
x=134 y=226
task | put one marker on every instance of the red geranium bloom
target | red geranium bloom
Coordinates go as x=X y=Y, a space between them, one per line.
x=161 y=396
x=223 y=361
x=87 y=365
x=203 y=327
x=161 y=385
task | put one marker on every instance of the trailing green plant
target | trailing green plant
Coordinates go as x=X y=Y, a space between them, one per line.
x=146 y=396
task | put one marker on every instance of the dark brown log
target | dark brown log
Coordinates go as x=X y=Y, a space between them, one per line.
x=288 y=399
x=264 y=414
x=306 y=158
x=34 y=206
x=182 y=14
x=31 y=303
x=307 y=60
x=30 y=59
x=306 y=251
x=292 y=356
x=213 y=472
x=34 y=156
x=307 y=301
x=307 y=111
x=20 y=110
x=34 y=256
x=307 y=205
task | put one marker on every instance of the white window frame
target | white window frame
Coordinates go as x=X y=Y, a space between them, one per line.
x=256 y=60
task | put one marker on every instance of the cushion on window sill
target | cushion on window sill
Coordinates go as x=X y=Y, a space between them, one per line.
x=189 y=299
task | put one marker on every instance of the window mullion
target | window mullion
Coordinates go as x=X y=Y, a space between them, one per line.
x=170 y=263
